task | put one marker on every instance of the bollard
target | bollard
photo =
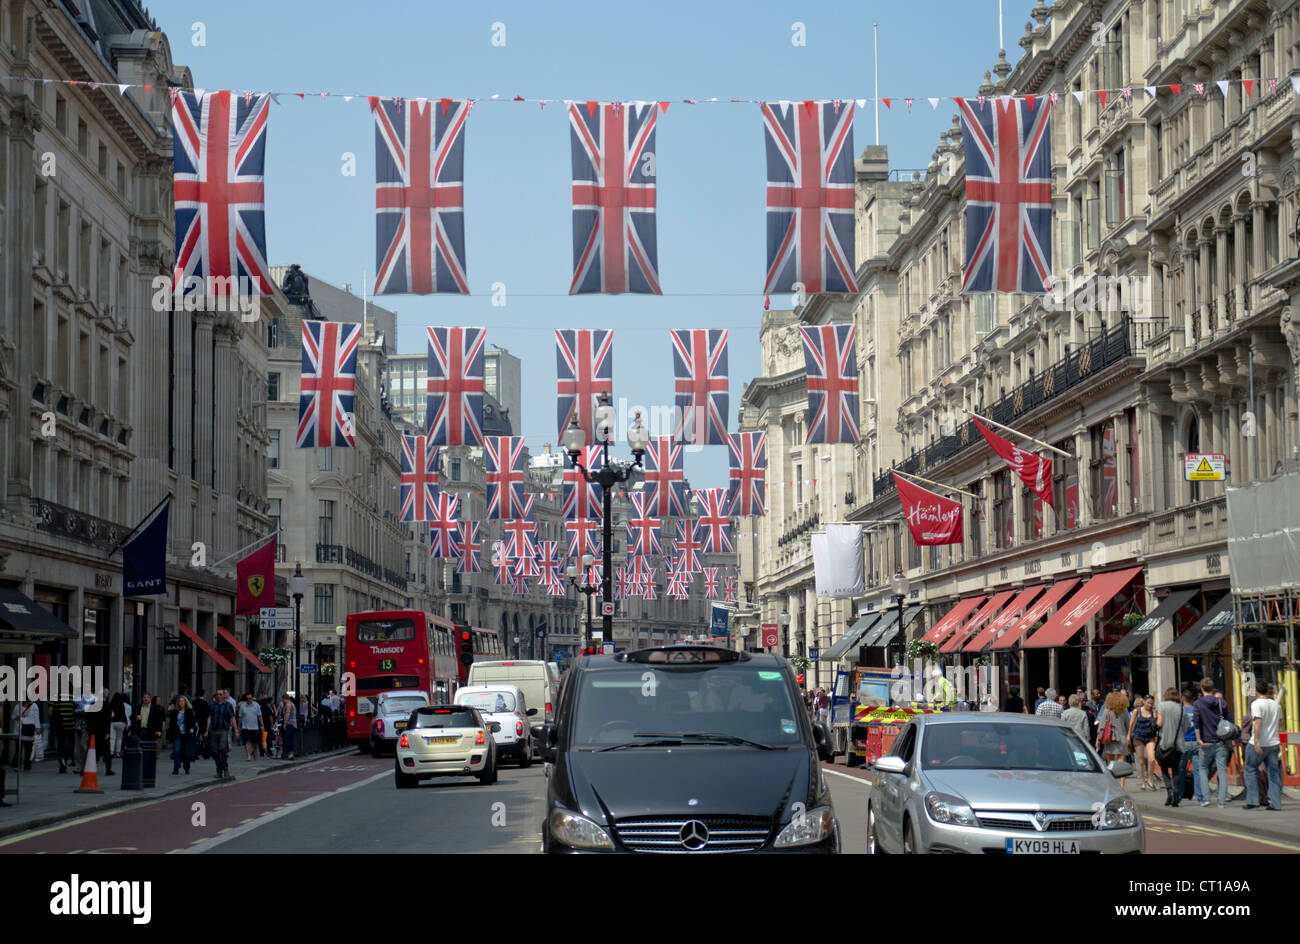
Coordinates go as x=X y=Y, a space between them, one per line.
x=149 y=763
x=131 y=763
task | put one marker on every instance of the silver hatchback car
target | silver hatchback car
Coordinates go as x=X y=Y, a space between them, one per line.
x=998 y=783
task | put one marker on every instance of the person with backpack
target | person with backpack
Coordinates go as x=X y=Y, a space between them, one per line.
x=1215 y=732
x=1171 y=725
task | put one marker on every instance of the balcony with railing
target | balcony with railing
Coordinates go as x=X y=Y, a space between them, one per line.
x=1127 y=339
x=76 y=525
x=340 y=554
x=1202 y=522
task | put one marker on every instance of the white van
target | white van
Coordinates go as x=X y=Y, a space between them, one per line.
x=536 y=679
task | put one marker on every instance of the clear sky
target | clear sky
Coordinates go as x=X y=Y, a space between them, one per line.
x=711 y=162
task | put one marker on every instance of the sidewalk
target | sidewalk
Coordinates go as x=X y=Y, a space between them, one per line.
x=1282 y=826
x=49 y=797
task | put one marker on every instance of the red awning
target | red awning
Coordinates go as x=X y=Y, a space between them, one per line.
x=996 y=602
x=217 y=657
x=1095 y=594
x=243 y=650
x=941 y=630
x=1034 y=613
x=1004 y=619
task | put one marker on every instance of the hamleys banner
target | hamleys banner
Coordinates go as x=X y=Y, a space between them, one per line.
x=931 y=518
x=1034 y=470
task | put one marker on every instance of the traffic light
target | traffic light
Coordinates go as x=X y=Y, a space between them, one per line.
x=466 y=648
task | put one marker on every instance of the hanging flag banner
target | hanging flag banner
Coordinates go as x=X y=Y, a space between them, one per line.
x=748 y=489
x=615 y=248
x=218 y=167
x=831 y=369
x=504 y=473
x=665 y=478
x=643 y=529
x=931 y=518
x=1034 y=470
x=419 y=479
x=455 y=386
x=584 y=361
x=719 y=620
x=687 y=547
x=810 y=197
x=144 y=558
x=700 y=377
x=713 y=529
x=470 y=549
x=1008 y=153
x=837 y=562
x=255 y=580
x=583 y=499
x=328 y=386
x=444 y=533
x=420 y=197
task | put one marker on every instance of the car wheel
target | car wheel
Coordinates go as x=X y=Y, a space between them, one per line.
x=374 y=748
x=489 y=774
x=403 y=780
x=909 y=838
x=526 y=756
x=850 y=758
x=873 y=844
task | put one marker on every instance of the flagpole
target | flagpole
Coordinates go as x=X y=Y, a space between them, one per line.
x=133 y=531
x=951 y=488
x=1037 y=442
x=875 y=32
x=261 y=540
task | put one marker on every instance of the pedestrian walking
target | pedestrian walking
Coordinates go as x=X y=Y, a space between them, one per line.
x=63 y=722
x=1077 y=718
x=1142 y=740
x=99 y=723
x=268 y=726
x=1265 y=745
x=288 y=726
x=1042 y=696
x=1014 y=704
x=1171 y=725
x=221 y=724
x=29 y=728
x=1191 y=761
x=201 y=708
x=183 y=731
x=1208 y=713
x=1113 y=725
x=118 y=711
x=1048 y=706
x=250 y=726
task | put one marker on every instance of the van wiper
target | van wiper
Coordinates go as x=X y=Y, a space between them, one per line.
x=715 y=738
x=660 y=742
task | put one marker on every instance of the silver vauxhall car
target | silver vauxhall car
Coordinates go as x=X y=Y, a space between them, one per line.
x=998 y=783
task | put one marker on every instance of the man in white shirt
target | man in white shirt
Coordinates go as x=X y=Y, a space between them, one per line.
x=1265 y=747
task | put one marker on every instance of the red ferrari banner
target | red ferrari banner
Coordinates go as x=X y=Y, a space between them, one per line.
x=255 y=580
x=1034 y=470
x=931 y=518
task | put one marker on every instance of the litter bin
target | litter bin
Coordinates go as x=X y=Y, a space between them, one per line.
x=148 y=763
x=131 y=761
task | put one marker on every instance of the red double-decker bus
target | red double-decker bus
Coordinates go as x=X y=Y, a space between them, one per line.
x=400 y=649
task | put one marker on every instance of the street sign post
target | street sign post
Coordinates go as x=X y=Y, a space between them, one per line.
x=1204 y=466
x=607 y=609
x=309 y=668
x=771 y=635
x=275 y=612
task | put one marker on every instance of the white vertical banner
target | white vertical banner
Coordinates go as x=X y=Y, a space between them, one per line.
x=837 y=562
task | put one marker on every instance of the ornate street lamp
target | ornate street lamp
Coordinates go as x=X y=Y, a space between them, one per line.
x=901 y=585
x=297 y=589
x=585 y=587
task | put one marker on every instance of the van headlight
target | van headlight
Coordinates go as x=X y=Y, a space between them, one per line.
x=1119 y=813
x=949 y=810
x=807 y=828
x=579 y=832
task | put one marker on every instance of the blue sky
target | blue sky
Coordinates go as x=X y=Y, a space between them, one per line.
x=518 y=227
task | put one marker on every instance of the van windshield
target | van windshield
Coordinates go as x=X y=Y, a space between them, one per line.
x=487 y=701
x=619 y=707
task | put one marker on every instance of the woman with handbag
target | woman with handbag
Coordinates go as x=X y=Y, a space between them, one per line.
x=1113 y=728
x=182 y=731
x=1171 y=723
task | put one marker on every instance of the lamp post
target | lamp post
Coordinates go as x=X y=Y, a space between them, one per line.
x=784 y=619
x=611 y=473
x=298 y=590
x=311 y=682
x=585 y=587
x=340 y=666
x=900 y=584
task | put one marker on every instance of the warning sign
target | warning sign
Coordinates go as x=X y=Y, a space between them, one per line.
x=1204 y=466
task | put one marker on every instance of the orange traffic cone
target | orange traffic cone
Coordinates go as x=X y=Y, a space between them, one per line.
x=90 y=775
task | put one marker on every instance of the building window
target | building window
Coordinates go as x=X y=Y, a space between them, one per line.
x=273 y=387
x=324 y=603
x=1105 y=472
x=455 y=470
x=274 y=327
x=325 y=523
x=325 y=459
x=273 y=450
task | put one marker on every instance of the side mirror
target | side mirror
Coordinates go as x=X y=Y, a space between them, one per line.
x=550 y=738
x=530 y=712
x=891 y=765
x=1121 y=768
x=822 y=737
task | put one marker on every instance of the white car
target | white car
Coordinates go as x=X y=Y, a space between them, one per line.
x=505 y=705
x=445 y=741
x=391 y=712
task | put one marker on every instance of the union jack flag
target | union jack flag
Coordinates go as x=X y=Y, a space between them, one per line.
x=711 y=583
x=455 y=385
x=650 y=585
x=687 y=547
x=218 y=165
x=504 y=458
x=502 y=566
x=1008 y=150
x=748 y=489
x=444 y=531
x=584 y=362
x=729 y=589
x=809 y=197
x=582 y=499
x=614 y=243
x=526 y=565
x=582 y=536
x=518 y=582
x=831 y=368
x=643 y=529
x=519 y=534
x=469 y=548
x=678 y=584
x=420 y=197
x=665 y=479
x=626 y=586
x=419 y=478
x=714 y=527
x=700 y=372
x=329 y=381
x=548 y=561
x=595 y=577
x=555 y=587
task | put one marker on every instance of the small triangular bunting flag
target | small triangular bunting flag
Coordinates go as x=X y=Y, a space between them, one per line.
x=1029 y=100
x=862 y=103
x=121 y=89
x=663 y=107
x=591 y=109
x=1101 y=97
x=1249 y=86
x=1295 y=83
x=301 y=94
x=1176 y=88
x=1223 y=87
x=886 y=101
x=934 y=104
x=446 y=103
x=908 y=102
x=1078 y=96
x=1151 y=90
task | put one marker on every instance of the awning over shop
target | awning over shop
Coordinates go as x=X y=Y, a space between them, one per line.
x=887 y=619
x=837 y=651
x=1206 y=631
x=20 y=614
x=1143 y=630
x=1076 y=611
x=199 y=641
x=946 y=626
x=888 y=635
x=243 y=650
x=1003 y=619
x=985 y=613
x=1034 y=613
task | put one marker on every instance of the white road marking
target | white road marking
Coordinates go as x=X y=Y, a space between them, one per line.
x=857 y=780
x=237 y=831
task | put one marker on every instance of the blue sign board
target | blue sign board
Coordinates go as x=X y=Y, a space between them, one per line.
x=309 y=668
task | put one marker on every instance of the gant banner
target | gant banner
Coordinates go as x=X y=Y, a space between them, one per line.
x=837 y=562
x=931 y=518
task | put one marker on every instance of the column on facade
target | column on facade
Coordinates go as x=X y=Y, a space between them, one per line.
x=1222 y=250
x=15 y=429
x=226 y=460
x=1122 y=438
x=1241 y=305
x=1259 y=262
x=792 y=607
x=811 y=623
x=1204 y=297
x=1083 y=462
x=1191 y=295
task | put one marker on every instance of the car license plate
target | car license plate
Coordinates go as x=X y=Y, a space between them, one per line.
x=1042 y=847
x=441 y=740
x=400 y=726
